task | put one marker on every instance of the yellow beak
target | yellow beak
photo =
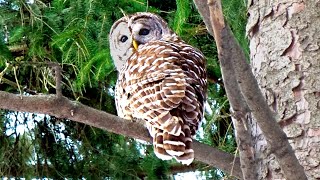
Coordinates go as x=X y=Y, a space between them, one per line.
x=135 y=44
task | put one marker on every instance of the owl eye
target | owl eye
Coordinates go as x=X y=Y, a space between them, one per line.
x=124 y=38
x=144 y=31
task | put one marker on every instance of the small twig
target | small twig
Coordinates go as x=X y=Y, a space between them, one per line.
x=234 y=161
x=58 y=79
x=4 y=71
x=55 y=66
x=18 y=48
x=13 y=84
x=15 y=77
x=28 y=63
x=7 y=81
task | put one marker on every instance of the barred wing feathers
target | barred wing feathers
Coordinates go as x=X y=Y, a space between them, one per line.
x=164 y=83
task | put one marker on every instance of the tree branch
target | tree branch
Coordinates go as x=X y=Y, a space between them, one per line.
x=65 y=108
x=265 y=118
x=178 y=168
x=236 y=99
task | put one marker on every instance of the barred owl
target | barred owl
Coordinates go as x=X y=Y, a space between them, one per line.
x=161 y=82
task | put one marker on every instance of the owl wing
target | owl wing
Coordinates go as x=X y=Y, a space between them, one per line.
x=151 y=82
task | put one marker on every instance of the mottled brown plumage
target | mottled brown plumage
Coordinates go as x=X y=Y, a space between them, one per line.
x=164 y=84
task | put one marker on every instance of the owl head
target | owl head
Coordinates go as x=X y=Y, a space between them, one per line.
x=131 y=30
x=146 y=27
x=120 y=41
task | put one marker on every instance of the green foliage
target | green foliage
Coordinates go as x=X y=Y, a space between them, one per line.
x=74 y=34
x=17 y=34
x=235 y=12
x=15 y=150
x=5 y=53
x=181 y=16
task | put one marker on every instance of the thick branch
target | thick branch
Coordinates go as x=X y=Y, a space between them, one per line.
x=265 y=118
x=178 y=168
x=65 y=108
x=236 y=99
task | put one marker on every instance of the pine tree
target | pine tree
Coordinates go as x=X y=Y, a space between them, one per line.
x=35 y=36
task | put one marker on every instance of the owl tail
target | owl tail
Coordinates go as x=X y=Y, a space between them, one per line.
x=168 y=145
x=188 y=155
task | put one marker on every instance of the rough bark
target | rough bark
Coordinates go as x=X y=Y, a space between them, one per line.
x=284 y=43
x=62 y=107
x=266 y=120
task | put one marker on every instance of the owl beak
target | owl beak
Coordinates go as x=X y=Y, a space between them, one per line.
x=135 y=44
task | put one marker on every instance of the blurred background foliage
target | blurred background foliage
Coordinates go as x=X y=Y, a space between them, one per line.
x=74 y=34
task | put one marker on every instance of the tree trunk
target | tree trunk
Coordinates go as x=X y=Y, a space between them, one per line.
x=285 y=58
